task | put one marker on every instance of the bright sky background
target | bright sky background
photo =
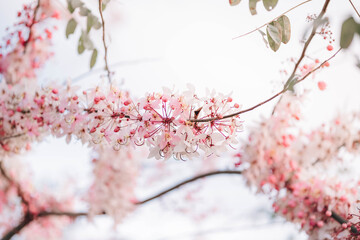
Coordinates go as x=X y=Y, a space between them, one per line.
x=169 y=43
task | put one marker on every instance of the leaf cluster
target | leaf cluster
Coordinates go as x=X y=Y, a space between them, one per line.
x=92 y=22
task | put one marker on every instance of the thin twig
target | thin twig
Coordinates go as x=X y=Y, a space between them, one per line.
x=31 y=25
x=17 y=185
x=306 y=45
x=104 y=42
x=354 y=8
x=12 y=136
x=272 y=20
x=269 y=99
x=186 y=182
x=291 y=76
x=28 y=218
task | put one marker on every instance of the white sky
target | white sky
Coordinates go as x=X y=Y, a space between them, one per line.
x=184 y=41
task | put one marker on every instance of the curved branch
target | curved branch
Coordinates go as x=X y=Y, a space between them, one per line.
x=104 y=42
x=186 y=182
x=31 y=25
x=269 y=99
x=27 y=220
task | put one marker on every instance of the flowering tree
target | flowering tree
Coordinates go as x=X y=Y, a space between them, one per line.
x=277 y=156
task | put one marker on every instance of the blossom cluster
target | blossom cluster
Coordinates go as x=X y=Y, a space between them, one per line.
x=26 y=48
x=291 y=164
x=162 y=121
x=115 y=175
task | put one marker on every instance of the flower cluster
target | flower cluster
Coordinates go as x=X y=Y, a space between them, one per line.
x=165 y=122
x=115 y=175
x=26 y=48
x=286 y=161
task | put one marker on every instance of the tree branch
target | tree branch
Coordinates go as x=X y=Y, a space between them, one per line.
x=12 y=136
x=341 y=220
x=28 y=218
x=186 y=182
x=104 y=42
x=17 y=185
x=354 y=8
x=31 y=25
x=269 y=99
x=306 y=45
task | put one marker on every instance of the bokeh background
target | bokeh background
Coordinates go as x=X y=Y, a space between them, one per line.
x=169 y=43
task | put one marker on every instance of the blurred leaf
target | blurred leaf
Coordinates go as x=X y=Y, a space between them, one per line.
x=252 y=6
x=274 y=35
x=289 y=85
x=348 y=29
x=234 y=2
x=70 y=7
x=92 y=21
x=76 y=3
x=270 y=4
x=97 y=24
x=88 y=44
x=84 y=11
x=263 y=37
x=285 y=28
x=93 y=58
x=81 y=47
x=357 y=58
x=70 y=27
x=104 y=4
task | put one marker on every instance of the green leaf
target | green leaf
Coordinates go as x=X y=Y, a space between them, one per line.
x=348 y=29
x=92 y=22
x=84 y=11
x=290 y=83
x=93 y=58
x=252 y=6
x=270 y=4
x=104 y=4
x=70 y=7
x=234 y=2
x=81 y=47
x=88 y=44
x=70 y=27
x=76 y=3
x=89 y=22
x=274 y=35
x=285 y=28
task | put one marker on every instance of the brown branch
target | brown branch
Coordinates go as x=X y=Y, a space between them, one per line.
x=269 y=99
x=31 y=26
x=186 y=182
x=313 y=32
x=104 y=42
x=12 y=136
x=28 y=218
x=17 y=185
x=341 y=220
x=306 y=45
x=272 y=20
x=354 y=8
